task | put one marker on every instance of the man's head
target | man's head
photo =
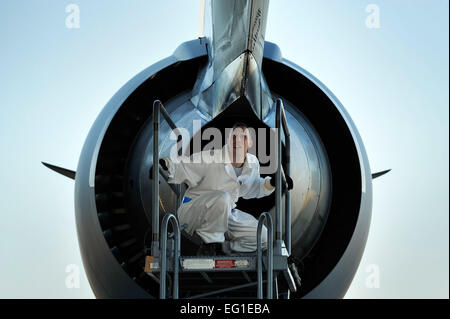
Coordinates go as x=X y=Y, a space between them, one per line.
x=240 y=140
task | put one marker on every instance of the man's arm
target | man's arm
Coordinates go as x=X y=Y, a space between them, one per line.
x=260 y=187
x=265 y=186
x=184 y=170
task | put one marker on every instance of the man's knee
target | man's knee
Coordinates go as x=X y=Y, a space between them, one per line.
x=248 y=241
x=221 y=199
x=251 y=237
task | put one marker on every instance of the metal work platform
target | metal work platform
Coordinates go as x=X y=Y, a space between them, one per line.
x=165 y=249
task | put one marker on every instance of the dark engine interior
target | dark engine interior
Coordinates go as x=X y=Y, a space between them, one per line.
x=125 y=226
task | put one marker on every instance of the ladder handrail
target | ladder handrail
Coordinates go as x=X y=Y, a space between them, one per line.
x=158 y=108
x=176 y=257
x=281 y=123
x=161 y=242
x=157 y=241
x=265 y=217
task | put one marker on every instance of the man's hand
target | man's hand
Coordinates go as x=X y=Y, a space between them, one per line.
x=289 y=182
x=163 y=164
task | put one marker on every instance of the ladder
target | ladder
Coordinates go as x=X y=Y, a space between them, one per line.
x=166 y=257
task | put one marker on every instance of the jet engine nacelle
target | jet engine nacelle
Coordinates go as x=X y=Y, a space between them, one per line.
x=331 y=199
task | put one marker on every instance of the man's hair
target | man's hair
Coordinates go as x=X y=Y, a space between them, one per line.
x=240 y=124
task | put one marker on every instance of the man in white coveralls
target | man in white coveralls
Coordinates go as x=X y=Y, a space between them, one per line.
x=216 y=179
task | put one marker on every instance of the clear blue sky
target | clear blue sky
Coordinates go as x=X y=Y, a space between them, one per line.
x=392 y=80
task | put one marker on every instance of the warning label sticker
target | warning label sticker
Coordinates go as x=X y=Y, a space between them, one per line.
x=224 y=263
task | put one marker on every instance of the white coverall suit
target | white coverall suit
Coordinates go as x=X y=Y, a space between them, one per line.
x=209 y=203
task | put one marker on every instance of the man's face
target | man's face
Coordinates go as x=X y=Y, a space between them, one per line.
x=240 y=140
